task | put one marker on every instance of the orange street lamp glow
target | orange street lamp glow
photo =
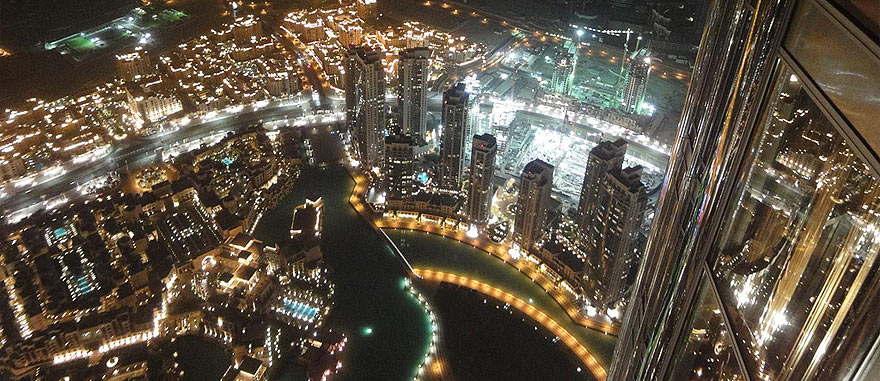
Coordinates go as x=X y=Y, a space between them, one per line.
x=548 y=323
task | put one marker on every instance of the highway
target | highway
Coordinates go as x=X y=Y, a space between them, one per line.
x=133 y=152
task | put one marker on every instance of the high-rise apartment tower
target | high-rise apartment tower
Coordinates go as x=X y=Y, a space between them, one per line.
x=483 y=150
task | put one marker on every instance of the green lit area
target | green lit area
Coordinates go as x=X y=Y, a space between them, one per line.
x=138 y=26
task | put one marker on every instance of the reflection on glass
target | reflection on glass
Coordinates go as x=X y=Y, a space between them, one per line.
x=801 y=240
x=708 y=353
x=865 y=12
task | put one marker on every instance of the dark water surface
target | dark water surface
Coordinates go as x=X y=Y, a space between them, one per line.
x=388 y=330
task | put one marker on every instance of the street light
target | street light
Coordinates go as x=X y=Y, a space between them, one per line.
x=580 y=32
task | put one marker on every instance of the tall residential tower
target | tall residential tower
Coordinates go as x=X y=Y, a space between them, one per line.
x=365 y=103
x=535 y=185
x=413 y=71
x=615 y=227
x=483 y=152
x=455 y=128
x=604 y=157
x=399 y=168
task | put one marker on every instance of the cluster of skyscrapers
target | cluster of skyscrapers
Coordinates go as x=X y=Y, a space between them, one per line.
x=613 y=199
x=763 y=259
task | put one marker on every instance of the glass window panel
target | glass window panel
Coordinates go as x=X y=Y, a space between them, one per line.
x=800 y=242
x=865 y=13
x=708 y=352
x=841 y=65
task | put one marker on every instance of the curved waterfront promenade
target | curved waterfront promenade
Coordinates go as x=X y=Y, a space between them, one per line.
x=466 y=261
x=535 y=314
x=500 y=251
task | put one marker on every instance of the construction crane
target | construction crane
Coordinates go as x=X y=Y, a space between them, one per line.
x=513 y=77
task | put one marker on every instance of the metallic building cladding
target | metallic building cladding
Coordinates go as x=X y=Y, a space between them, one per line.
x=730 y=100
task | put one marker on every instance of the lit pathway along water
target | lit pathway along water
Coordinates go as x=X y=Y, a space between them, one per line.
x=434 y=252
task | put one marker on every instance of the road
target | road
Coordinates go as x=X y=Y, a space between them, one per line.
x=140 y=151
x=132 y=152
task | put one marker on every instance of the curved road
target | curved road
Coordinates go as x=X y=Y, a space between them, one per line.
x=133 y=152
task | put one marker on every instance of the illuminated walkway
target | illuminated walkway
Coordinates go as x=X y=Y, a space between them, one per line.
x=437 y=253
x=452 y=252
x=499 y=251
x=537 y=315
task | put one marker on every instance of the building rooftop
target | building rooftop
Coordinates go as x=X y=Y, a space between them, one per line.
x=607 y=150
x=250 y=365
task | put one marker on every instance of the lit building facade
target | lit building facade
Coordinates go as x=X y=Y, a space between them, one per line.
x=152 y=99
x=615 y=225
x=762 y=263
x=483 y=152
x=399 y=170
x=247 y=29
x=535 y=185
x=413 y=71
x=636 y=84
x=281 y=83
x=365 y=103
x=367 y=9
x=455 y=120
x=561 y=80
x=133 y=66
x=603 y=158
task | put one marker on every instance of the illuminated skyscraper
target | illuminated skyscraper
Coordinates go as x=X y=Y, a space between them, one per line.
x=455 y=129
x=603 y=158
x=535 y=185
x=610 y=213
x=562 y=75
x=763 y=260
x=365 y=103
x=413 y=71
x=615 y=225
x=483 y=152
x=399 y=168
x=636 y=83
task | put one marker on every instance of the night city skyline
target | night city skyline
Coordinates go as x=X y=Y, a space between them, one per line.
x=439 y=190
